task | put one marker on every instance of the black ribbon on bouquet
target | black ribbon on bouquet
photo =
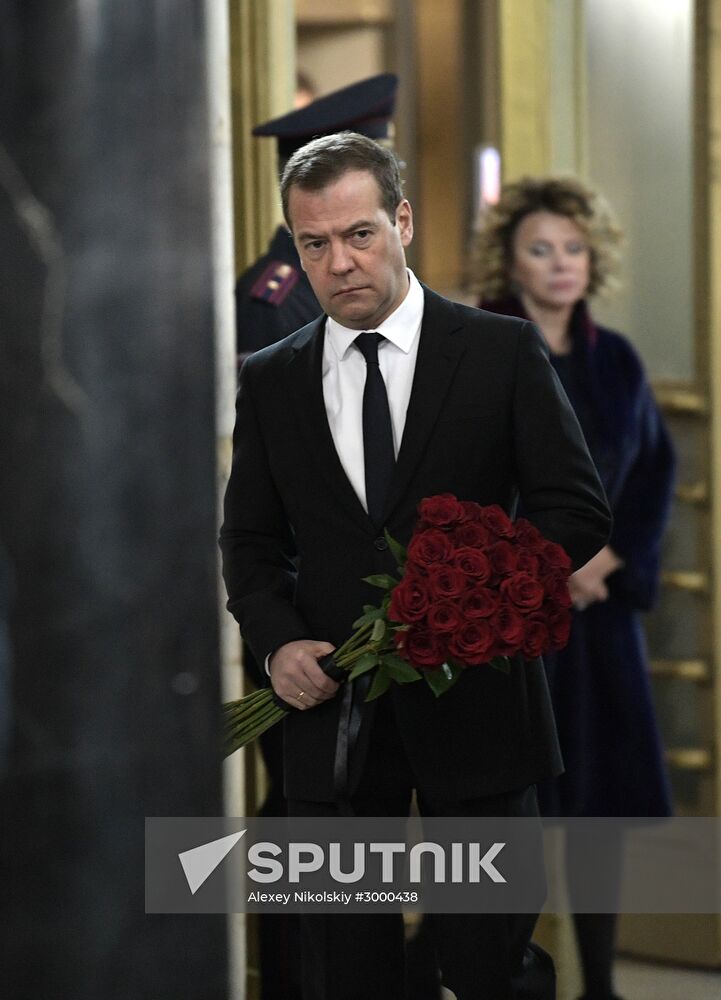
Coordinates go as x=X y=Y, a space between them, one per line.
x=349 y=722
x=350 y=717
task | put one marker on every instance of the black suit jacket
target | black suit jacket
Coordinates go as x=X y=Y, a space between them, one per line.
x=488 y=421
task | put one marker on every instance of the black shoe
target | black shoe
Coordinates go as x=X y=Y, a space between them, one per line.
x=538 y=978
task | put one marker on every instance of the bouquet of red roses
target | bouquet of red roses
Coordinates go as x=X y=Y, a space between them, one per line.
x=475 y=588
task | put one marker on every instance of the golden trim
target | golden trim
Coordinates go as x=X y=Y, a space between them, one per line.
x=347 y=21
x=693 y=493
x=698 y=671
x=343 y=13
x=690 y=759
x=680 y=400
x=525 y=83
x=689 y=580
x=709 y=266
x=440 y=167
x=262 y=67
x=581 y=75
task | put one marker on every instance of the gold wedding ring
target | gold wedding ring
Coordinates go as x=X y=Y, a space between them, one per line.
x=300 y=695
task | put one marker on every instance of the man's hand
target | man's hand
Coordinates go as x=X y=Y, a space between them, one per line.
x=587 y=585
x=296 y=676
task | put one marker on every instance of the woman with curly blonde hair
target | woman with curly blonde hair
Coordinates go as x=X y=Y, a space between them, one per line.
x=545 y=248
x=564 y=197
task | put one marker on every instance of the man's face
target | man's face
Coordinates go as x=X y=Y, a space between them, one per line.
x=351 y=251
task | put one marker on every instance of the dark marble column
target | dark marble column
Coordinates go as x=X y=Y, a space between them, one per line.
x=110 y=683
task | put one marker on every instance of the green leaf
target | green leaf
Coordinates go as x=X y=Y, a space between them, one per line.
x=369 y=616
x=398 y=660
x=501 y=663
x=381 y=683
x=440 y=681
x=382 y=580
x=363 y=664
x=379 y=631
x=397 y=551
x=399 y=669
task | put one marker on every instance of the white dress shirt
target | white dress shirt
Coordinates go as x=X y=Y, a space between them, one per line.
x=344 y=375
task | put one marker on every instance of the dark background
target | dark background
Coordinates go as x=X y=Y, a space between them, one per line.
x=109 y=682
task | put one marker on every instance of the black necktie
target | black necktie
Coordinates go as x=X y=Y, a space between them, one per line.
x=378 y=449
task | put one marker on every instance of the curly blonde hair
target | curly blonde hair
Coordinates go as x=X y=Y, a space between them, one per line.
x=563 y=196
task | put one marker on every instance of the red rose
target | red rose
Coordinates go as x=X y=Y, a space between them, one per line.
x=536 y=640
x=471 y=509
x=444 y=582
x=555 y=555
x=422 y=648
x=442 y=511
x=495 y=518
x=529 y=536
x=504 y=558
x=557 y=591
x=472 y=642
x=559 y=628
x=480 y=602
x=409 y=601
x=473 y=534
x=443 y=617
x=472 y=562
x=526 y=562
x=525 y=592
x=509 y=627
x=549 y=576
x=430 y=546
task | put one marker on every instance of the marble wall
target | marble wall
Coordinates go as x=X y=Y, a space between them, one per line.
x=109 y=683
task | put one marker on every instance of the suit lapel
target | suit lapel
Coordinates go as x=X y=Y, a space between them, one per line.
x=305 y=381
x=439 y=353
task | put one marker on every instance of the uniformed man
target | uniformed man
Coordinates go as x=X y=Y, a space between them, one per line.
x=274 y=297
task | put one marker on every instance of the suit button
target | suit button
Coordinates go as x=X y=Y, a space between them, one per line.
x=381 y=544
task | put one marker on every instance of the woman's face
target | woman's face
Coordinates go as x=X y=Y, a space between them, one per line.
x=551 y=260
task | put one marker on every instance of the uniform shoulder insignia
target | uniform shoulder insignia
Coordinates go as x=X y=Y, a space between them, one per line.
x=275 y=282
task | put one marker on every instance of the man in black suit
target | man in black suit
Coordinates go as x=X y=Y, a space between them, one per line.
x=273 y=298
x=470 y=406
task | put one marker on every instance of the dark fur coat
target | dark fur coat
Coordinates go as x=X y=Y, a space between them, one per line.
x=600 y=684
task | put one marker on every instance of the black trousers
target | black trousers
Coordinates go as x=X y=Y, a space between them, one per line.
x=481 y=956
